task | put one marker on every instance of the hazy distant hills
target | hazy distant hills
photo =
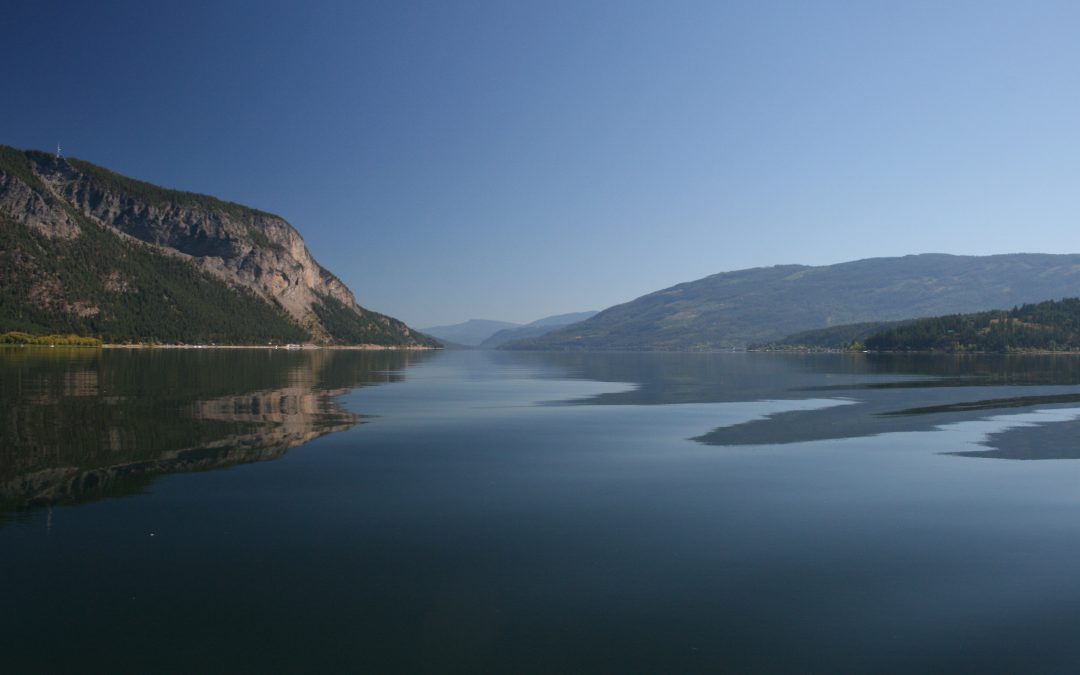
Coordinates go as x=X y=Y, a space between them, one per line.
x=469 y=333
x=734 y=309
x=489 y=334
x=535 y=329
x=88 y=251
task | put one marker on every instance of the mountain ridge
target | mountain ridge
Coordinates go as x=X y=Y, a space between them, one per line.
x=757 y=305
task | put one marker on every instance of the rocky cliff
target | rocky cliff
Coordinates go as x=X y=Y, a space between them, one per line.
x=83 y=249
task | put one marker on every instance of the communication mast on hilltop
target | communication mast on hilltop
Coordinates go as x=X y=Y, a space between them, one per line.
x=58 y=151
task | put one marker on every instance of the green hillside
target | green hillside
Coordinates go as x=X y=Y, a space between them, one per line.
x=1045 y=326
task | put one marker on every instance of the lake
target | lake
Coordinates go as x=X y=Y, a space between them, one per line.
x=286 y=511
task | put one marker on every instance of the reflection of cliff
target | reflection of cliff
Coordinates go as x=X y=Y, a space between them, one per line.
x=94 y=425
x=279 y=420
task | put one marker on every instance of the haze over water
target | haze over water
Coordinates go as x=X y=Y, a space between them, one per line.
x=247 y=511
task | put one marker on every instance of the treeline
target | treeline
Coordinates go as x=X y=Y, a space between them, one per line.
x=1046 y=326
x=19 y=338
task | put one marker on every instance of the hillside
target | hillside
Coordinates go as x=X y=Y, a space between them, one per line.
x=833 y=337
x=759 y=305
x=88 y=251
x=535 y=328
x=1045 y=326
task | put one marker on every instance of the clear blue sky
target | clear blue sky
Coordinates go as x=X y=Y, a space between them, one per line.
x=510 y=160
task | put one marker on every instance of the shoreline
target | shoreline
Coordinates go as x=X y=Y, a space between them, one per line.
x=1043 y=352
x=289 y=348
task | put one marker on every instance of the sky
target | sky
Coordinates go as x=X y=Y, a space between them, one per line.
x=511 y=160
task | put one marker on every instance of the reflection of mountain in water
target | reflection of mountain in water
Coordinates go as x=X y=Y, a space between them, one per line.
x=1060 y=440
x=81 y=424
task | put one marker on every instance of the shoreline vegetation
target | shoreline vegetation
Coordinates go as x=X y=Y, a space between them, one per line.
x=19 y=338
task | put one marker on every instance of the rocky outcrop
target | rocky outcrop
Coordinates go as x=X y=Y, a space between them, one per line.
x=249 y=250
x=35 y=210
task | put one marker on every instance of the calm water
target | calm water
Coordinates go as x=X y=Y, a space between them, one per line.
x=256 y=511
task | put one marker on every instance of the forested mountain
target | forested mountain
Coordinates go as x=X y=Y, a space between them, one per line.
x=1045 y=326
x=734 y=309
x=88 y=251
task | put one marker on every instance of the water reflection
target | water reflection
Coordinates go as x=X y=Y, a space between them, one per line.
x=80 y=425
x=881 y=393
x=1034 y=438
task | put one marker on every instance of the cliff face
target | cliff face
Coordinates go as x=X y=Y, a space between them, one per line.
x=49 y=204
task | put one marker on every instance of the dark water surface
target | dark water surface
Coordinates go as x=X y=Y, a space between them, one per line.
x=515 y=512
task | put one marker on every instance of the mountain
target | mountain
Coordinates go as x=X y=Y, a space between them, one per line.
x=88 y=251
x=1045 y=326
x=733 y=309
x=535 y=329
x=470 y=333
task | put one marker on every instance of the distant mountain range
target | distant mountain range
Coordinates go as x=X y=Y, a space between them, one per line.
x=468 y=333
x=88 y=251
x=489 y=334
x=734 y=309
x=535 y=329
